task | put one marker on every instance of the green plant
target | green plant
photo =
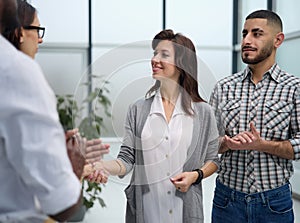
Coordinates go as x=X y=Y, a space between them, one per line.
x=90 y=126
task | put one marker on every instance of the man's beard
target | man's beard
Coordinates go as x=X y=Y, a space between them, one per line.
x=265 y=53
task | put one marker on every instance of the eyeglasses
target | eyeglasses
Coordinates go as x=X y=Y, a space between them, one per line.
x=40 y=30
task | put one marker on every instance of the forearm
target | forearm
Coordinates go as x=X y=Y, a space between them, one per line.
x=209 y=168
x=114 y=167
x=281 y=149
x=111 y=167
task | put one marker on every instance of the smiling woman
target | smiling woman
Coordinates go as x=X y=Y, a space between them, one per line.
x=170 y=139
x=29 y=35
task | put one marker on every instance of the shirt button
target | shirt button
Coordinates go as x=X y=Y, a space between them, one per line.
x=167 y=156
x=248 y=199
x=169 y=192
x=166 y=137
x=170 y=211
x=168 y=174
x=250 y=169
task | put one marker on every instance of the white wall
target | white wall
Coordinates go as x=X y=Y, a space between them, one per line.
x=284 y=9
x=66 y=21
x=117 y=24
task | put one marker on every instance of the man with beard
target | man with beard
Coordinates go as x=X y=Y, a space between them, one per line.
x=258 y=116
x=37 y=178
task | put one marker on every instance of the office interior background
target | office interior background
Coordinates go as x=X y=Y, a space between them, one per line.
x=115 y=36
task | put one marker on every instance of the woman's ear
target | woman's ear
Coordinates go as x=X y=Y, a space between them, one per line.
x=21 y=30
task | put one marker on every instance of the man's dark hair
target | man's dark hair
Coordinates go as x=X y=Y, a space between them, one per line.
x=270 y=16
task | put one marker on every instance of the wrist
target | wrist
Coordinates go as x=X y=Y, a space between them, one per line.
x=199 y=178
x=223 y=146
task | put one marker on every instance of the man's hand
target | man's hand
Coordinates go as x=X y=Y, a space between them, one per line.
x=245 y=140
x=70 y=133
x=95 y=150
x=75 y=145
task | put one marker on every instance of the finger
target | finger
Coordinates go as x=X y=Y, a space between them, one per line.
x=250 y=135
x=93 y=142
x=70 y=133
x=104 y=178
x=245 y=137
x=101 y=177
x=98 y=180
x=77 y=139
x=70 y=144
x=226 y=138
x=97 y=149
x=82 y=146
x=91 y=178
x=177 y=178
x=232 y=143
x=96 y=174
x=229 y=141
x=96 y=154
x=88 y=169
x=106 y=146
x=253 y=130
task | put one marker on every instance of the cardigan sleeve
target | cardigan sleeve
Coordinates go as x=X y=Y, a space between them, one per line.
x=213 y=138
x=127 y=150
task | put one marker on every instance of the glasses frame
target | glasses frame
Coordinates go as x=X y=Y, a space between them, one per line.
x=38 y=28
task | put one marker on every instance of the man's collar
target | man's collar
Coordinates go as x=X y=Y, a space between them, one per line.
x=274 y=72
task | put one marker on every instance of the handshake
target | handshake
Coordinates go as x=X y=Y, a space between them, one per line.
x=95 y=172
x=85 y=156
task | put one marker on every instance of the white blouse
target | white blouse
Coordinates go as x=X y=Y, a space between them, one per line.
x=165 y=148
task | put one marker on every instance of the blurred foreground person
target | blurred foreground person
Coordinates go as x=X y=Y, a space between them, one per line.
x=38 y=179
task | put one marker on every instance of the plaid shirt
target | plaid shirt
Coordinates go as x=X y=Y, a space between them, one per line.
x=273 y=105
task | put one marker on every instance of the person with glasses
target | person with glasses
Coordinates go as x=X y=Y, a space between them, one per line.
x=30 y=134
x=26 y=38
x=40 y=30
x=39 y=174
x=30 y=34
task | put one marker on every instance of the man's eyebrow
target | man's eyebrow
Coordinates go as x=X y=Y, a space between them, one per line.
x=257 y=30
x=253 y=30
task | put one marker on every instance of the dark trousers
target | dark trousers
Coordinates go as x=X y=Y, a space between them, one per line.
x=272 y=206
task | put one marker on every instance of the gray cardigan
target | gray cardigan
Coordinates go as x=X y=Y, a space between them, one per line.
x=203 y=148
